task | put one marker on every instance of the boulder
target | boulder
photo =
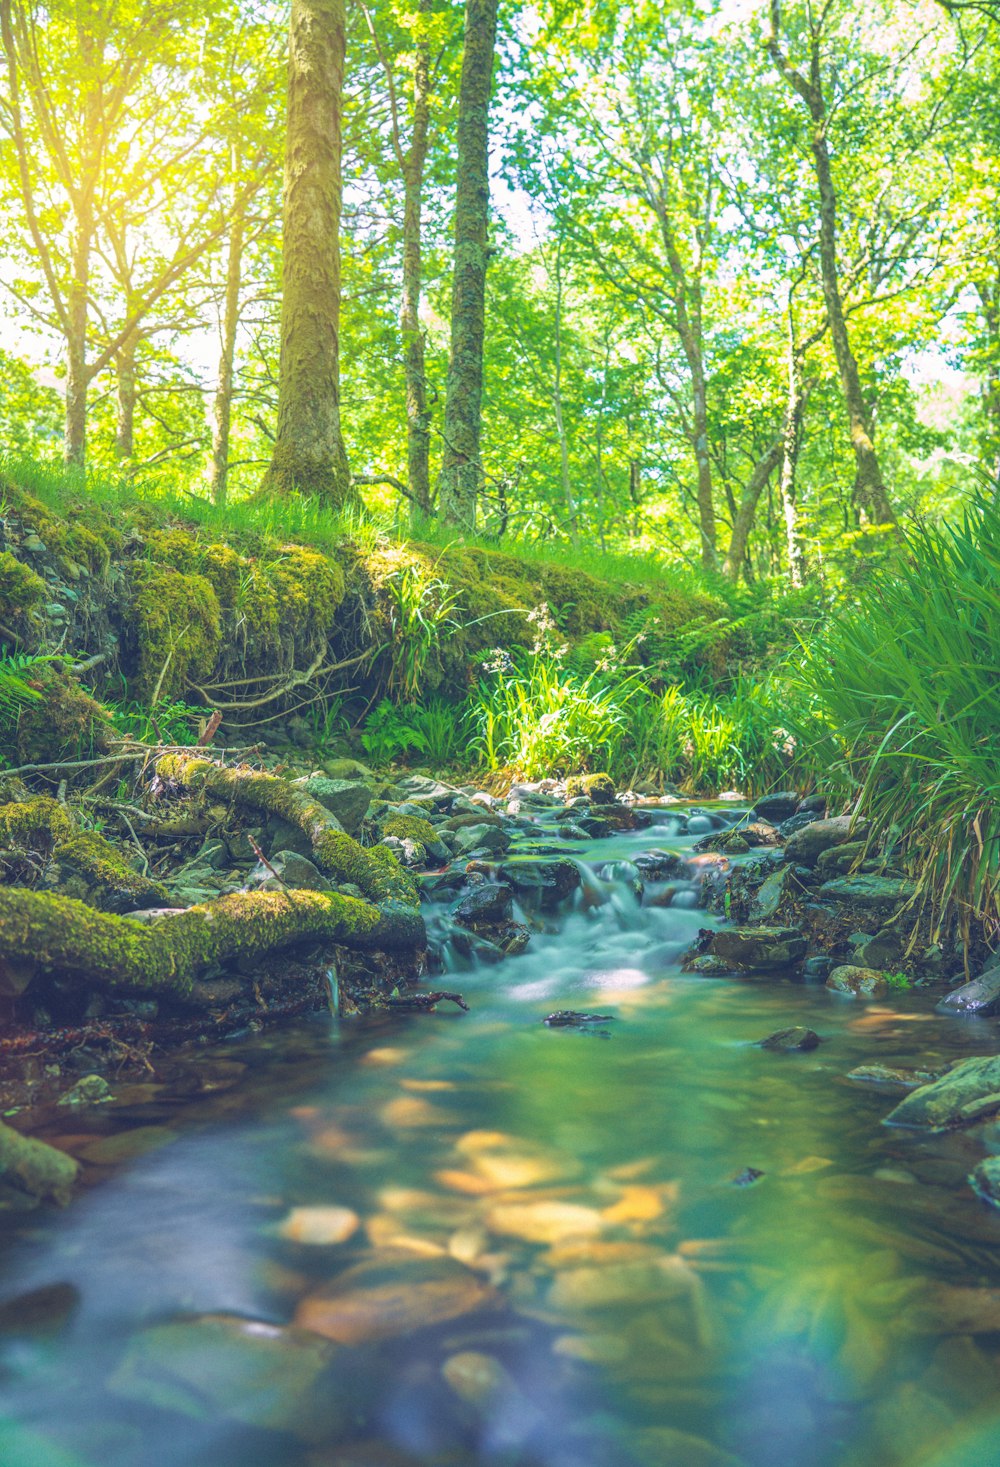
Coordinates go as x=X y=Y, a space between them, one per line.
x=481 y=838
x=884 y=950
x=293 y=870
x=968 y=1091
x=869 y=892
x=777 y=807
x=838 y=860
x=788 y=1041
x=347 y=799
x=857 y=982
x=485 y=906
x=981 y=996
x=659 y=865
x=539 y=883
x=758 y=948
x=807 y=844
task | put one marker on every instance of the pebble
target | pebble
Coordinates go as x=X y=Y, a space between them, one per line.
x=390 y=1296
x=320 y=1226
x=544 y=1222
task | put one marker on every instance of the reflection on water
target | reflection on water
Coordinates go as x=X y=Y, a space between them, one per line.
x=468 y=1239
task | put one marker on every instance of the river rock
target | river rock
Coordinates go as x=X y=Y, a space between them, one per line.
x=884 y=950
x=767 y=898
x=608 y=1283
x=485 y=906
x=787 y=1041
x=981 y=996
x=544 y=1222
x=264 y=1376
x=807 y=844
x=838 y=860
x=319 y=1226
x=857 y=982
x=346 y=799
x=482 y=837
x=985 y=1180
x=877 y=1074
x=659 y=865
x=540 y=883
x=758 y=948
x=967 y=1091
x=392 y=1295
x=421 y=787
x=818 y=968
x=293 y=870
x=868 y=891
x=777 y=807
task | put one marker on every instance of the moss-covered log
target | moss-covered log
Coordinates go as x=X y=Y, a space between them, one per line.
x=165 y=956
x=376 y=872
x=35 y=823
x=102 y=876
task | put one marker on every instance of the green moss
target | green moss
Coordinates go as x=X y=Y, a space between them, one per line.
x=220 y=564
x=598 y=787
x=179 y=631
x=309 y=587
x=410 y=827
x=65 y=722
x=104 y=872
x=21 y=590
x=39 y=821
x=84 y=536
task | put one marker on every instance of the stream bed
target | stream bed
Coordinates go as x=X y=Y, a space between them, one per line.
x=455 y=1239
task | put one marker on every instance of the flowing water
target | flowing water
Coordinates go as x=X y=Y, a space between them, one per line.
x=561 y=1256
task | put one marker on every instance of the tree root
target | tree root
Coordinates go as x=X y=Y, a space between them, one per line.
x=165 y=956
x=375 y=872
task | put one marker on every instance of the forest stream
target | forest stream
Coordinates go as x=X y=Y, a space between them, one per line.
x=475 y=1237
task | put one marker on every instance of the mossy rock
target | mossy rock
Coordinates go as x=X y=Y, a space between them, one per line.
x=309 y=587
x=35 y=823
x=83 y=534
x=179 y=630
x=21 y=590
x=597 y=787
x=64 y=722
x=410 y=827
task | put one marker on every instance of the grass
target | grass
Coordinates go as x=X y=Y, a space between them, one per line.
x=907 y=688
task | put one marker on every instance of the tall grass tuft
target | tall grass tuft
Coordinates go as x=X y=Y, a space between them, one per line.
x=908 y=689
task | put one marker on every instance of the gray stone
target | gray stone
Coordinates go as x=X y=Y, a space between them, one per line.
x=838 y=860
x=817 y=969
x=868 y=891
x=807 y=844
x=767 y=898
x=758 y=948
x=429 y=789
x=240 y=847
x=887 y=1075
x=540 y=883
x=346 y=799
x=857 y=982
x=788 y=1041
x=488 y=838
x=214 y=854
x=293 y=870
x=777 y=807
x=347 y=769
x=884 y=950
x=969 y=1090
x=981 y=996
x=89 y=1090
x=700 y=825
x=484 y=906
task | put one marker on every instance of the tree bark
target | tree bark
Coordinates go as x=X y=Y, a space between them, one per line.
x=223 y=405
x=125 y=400
x=791 y=436
x=461 y=467
x=870 y=495
x=557 y=409
x=747 y=508
x=309 y=454
x=418 y=437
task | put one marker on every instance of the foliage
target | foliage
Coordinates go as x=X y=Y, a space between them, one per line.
x=167 y=723
x=391 y=733
x=420 y=613
x=906 y=688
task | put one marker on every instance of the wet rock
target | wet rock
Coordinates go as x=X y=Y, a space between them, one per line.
x=393 y=1295
x=709 y=966
x=347 y=800
x=807 y=844
x=214 y=854
x=700 y=825
x=838 y=860
x=487 y=838
x=857 y=982
x=868 y=891
x=812 y=804
x=734 y=844
x=539 y=883
x=219 y=1365
x=888 y=1075
x=293 y=870
x=571 y=1019
x=756 y=949
x=508 y=1162
x=623 y=873
x=981 y=996
x=968 y=1090
x=241 y=845
x=795 y=822
x=882 y=951
x=90 y=1090
x=777 y=807
x=659 y=865
x=15 y=975
x=485 y=906
x=34 y=1168
x=767 y=898
x=817 y=969
x=319 y=1226
x=985 y=1180
x=607 y=1283
x=747 y=1177
x=424 y=788
x=786 y=1041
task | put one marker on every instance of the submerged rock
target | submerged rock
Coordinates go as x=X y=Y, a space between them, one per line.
x=969 y=1090
x=261 y=1375
x=858 y=982
x=887 y=1075
x=787 y=1041
x=392 y=1295
x=985 y=1180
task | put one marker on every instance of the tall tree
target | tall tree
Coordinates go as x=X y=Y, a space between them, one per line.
x=870 y=493
x=461 y=466
x=309 y=454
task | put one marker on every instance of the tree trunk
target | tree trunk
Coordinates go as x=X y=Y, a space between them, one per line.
x=223 y=405
x=125 y=400
x=418 y=437
x=989 y=300
x=557 y=408
x=791 y=435
x=77 y=376
x=743 y=520
x=460 y=465
x=309 y=454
